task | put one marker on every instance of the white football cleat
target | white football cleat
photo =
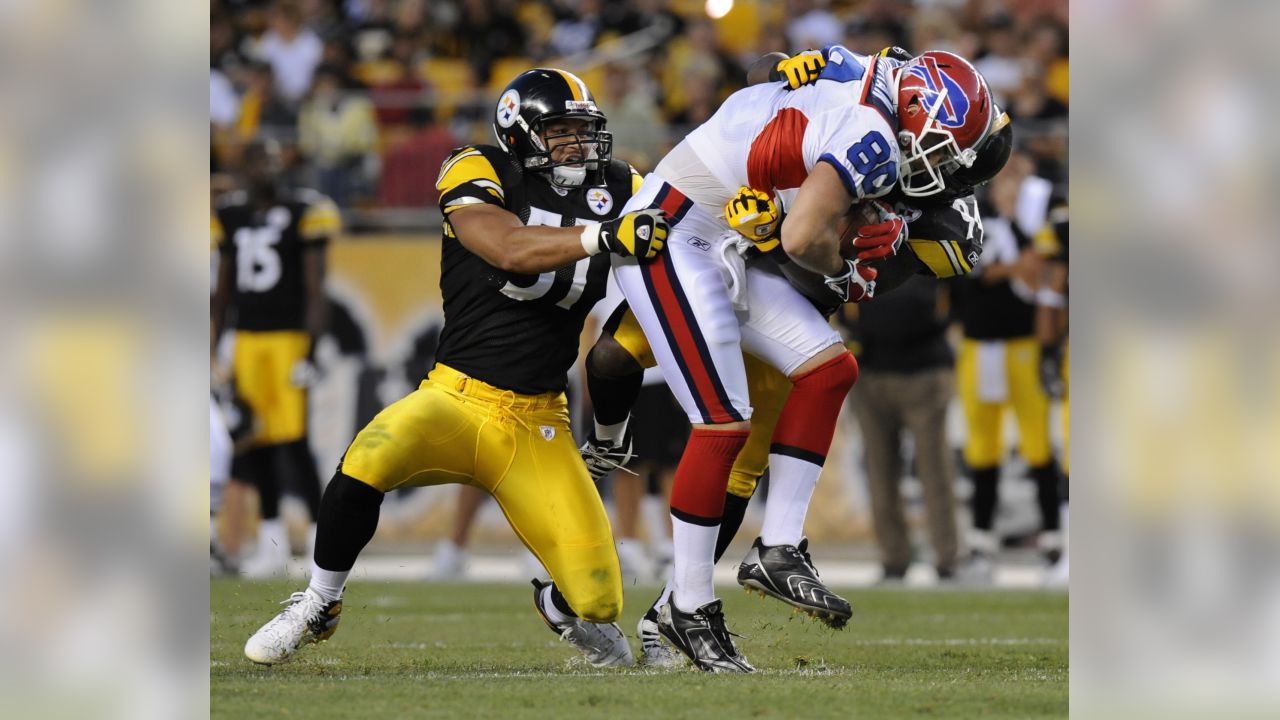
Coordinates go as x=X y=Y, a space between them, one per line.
x=657 y=653
x=602 y=644
x=308 y=619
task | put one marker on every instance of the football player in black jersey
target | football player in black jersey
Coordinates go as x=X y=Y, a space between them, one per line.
x=270 y=288
x=998 y=370
x=945 y=241
x=1053 y=333
x=526 y=228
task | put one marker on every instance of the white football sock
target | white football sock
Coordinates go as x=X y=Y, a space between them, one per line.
x=327 y=583
x=791 y=484
x=554 y=614
x=695 y=550
x=665 y=596
x=611 y=433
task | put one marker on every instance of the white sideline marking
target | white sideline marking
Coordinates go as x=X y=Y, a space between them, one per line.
x=963 y=641
x=490 y=569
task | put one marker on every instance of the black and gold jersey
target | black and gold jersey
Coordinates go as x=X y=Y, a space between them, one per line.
x=1005 y=309
x=514 y=331
x=264 y=246
x=946 y=238
x=1053 y=239
x=944 y=241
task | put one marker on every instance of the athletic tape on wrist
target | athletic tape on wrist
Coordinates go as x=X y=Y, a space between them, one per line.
x=590 y=238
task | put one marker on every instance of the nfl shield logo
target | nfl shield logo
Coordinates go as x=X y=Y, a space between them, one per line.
x=548 y=432
x=599 y=200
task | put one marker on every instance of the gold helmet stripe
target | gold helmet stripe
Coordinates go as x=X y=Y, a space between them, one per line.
x=576 y=86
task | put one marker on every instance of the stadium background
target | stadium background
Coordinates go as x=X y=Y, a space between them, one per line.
x=368 y=96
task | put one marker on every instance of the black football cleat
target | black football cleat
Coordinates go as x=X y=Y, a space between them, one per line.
x=603 y=458
x=787 y=573
x=703 y=637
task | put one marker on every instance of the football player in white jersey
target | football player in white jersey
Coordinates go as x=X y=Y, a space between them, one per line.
x=868 y=125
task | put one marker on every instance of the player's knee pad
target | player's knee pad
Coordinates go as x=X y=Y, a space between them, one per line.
x=344 y=489
x=836 y=375
x=609 y=359
x=742 y=484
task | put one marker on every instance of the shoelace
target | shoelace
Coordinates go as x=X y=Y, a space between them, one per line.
x=721 y=632
x=611 y=458
x=303 y=602
x=808 y=561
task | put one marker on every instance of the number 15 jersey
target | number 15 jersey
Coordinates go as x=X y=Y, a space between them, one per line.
x=265 y=246
x=771 y=138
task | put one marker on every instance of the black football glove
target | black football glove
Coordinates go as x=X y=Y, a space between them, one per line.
x=1051 y=371
x=895 y=53
x=641 y=234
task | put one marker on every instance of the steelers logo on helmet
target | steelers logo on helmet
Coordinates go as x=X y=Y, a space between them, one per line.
x=599 y=200
x=508 y=108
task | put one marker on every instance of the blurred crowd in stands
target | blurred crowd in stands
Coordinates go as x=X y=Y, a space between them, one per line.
x=368 y=96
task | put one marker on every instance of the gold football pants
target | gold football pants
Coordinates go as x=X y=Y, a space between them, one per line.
x=767 y=387
x=1025 y=396
x=262 y=364
x=457 y=429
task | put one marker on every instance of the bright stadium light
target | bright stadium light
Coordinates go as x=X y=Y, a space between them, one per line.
x=717 y=9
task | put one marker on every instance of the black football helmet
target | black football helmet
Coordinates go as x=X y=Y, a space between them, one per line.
x=534 y=99
x=992 y=155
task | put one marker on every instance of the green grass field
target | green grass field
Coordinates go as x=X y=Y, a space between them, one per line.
x=479 y=651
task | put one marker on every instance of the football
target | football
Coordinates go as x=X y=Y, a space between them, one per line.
x=859 y=216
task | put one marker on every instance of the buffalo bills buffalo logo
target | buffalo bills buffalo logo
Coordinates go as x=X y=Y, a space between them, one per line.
x=955 y=104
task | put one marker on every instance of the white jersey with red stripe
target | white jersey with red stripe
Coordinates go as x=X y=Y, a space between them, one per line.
x=771 y=138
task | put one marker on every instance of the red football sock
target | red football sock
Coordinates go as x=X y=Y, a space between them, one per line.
x=697 y=495
x=808 y=420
